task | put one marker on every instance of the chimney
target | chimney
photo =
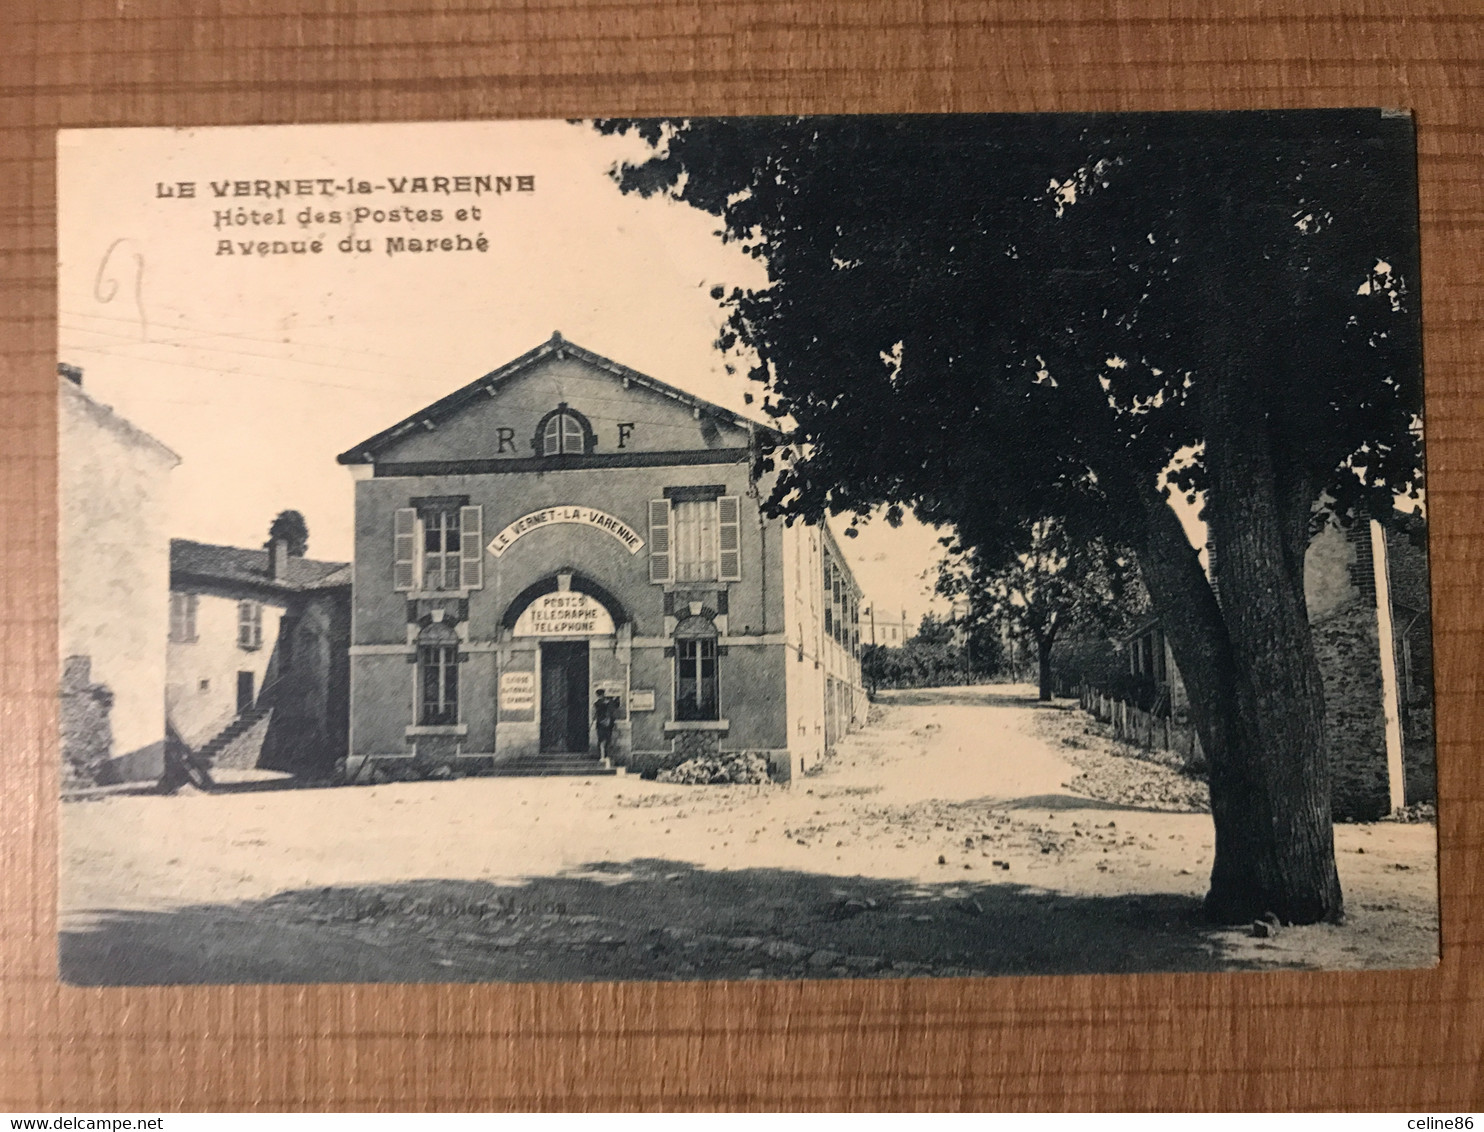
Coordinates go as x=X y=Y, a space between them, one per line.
x=278 y=559
x=71 y=373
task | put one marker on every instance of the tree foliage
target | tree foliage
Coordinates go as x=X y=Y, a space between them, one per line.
x=934 y=657
x=996 y=320
x=1051 y=585
x=290 y=527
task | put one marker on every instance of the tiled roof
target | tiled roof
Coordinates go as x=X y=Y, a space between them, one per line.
x=235 y=564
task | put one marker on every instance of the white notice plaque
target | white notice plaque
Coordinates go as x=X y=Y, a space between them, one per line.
x=517 y=691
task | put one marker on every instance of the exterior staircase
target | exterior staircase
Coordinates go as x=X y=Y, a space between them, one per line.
x=548 y=763
x=244 y=722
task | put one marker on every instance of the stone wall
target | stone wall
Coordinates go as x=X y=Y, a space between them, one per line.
x=1347 y=645
x=311 y=698
x=87 y=733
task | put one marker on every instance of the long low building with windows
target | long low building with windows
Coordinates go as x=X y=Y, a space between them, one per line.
x=567 y=554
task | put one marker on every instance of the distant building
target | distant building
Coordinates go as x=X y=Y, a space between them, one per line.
x=888 y=628
x=113 y=577
x=258 y=665
x=565 y=527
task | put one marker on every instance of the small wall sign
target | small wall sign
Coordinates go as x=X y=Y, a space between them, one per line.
x=517 y=692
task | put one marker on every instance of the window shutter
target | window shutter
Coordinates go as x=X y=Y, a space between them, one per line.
x=729 y=539
x=660 y=552
x=471 y=550
x=404 y=543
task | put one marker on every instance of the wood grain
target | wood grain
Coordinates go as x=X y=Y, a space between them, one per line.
x=1409 y=1040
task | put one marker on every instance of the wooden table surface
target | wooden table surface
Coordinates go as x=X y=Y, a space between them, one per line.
x=1404 y=1040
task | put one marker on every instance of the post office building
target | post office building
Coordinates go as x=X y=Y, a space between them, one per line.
x=563 y=567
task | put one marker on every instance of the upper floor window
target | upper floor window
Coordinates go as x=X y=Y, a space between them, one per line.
x=182 y=617
x=441 y=549
x=562 y=435
x=695 y=540
x=249 y=625
x=438 y=544
x=563 y=432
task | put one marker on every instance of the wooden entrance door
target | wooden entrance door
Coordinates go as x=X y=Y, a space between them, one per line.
x=564 y=710
x=244 y=692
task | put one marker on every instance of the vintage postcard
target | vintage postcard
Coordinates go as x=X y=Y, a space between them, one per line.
x=743 y=548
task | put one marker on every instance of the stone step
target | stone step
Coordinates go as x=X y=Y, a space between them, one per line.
x=238 y=725
x=590 y=770
x=554 y=763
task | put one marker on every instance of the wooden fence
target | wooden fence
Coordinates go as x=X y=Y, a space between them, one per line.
x=1142 y=728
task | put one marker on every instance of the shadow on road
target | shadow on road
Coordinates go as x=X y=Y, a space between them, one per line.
x=1064 y=802
x=642 y=919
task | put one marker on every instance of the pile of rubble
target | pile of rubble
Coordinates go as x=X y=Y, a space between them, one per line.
x=742 y=767
x=1118 y=772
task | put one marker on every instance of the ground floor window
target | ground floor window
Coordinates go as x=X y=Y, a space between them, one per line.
x=695 y=679
x=439 y=680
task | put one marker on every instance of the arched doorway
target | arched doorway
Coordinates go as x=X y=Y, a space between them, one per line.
x=563 y=633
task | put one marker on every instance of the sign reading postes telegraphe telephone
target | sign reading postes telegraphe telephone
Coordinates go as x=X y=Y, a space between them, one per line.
x=564 y=614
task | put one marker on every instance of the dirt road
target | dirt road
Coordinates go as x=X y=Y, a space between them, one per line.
x=953 y=836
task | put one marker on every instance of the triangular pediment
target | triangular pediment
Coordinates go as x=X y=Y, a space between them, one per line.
x=504 y=414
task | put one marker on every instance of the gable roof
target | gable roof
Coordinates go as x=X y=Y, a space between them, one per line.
x=108 y=419
x=367 y=451
x=238 y=566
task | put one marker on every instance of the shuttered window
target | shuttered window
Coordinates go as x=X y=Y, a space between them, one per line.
x=182 y=617
x=471 y=560
x=442 y=549
x=404 y=542
x=661 y=566
x=693 y=540
x=563 y=436
x=438 y=547
x=249 y=625
x=729 y=539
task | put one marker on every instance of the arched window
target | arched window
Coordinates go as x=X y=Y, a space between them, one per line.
x=563 y=435
x=695 y=670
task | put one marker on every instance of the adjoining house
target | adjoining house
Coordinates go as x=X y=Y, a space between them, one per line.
x=1366 y=587
x=565 y=528
x=113 y=578
x=257 y=670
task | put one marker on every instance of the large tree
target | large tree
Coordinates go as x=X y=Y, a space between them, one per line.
x=990 y=320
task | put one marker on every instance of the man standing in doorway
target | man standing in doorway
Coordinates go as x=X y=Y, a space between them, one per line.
x=605 y=715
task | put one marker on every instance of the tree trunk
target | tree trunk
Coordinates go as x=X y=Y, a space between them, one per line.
x=1043 y=665
x=1248 y=664
x=1279 y=693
